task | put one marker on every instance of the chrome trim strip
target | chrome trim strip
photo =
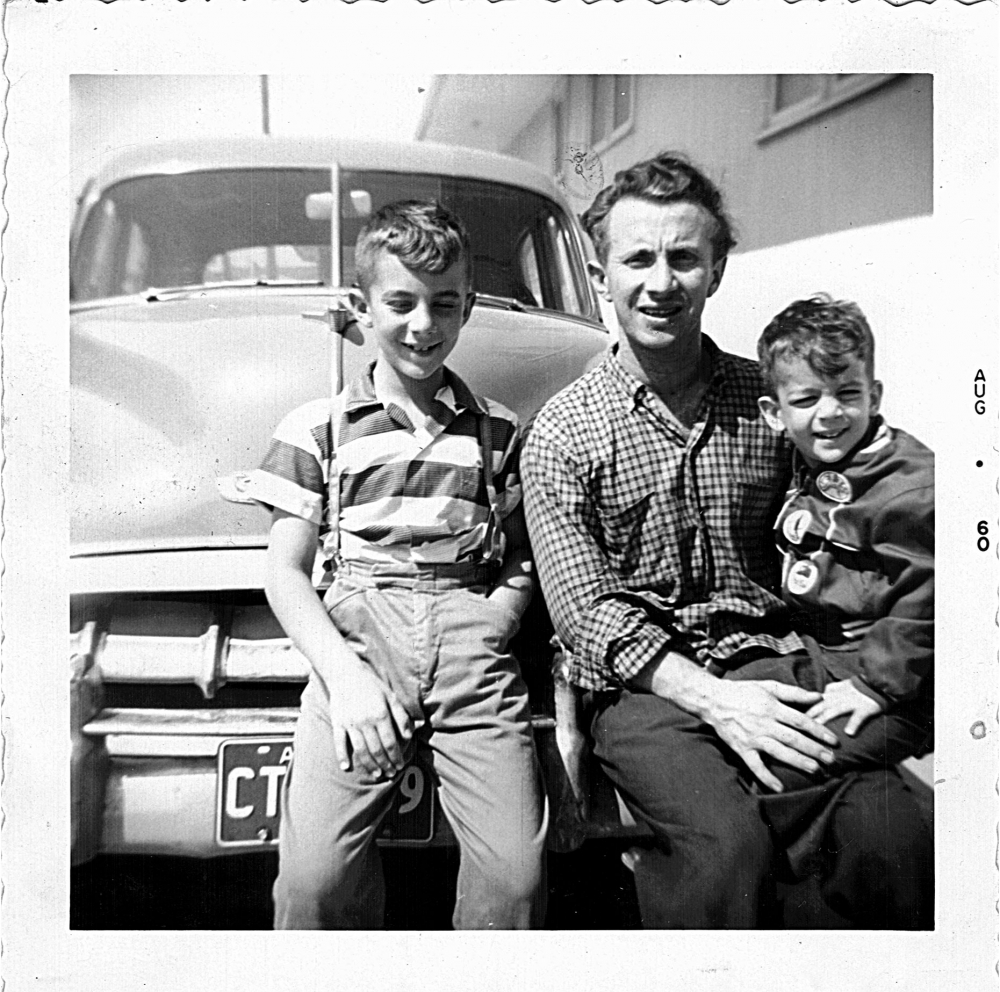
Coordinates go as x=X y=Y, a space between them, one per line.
x=159 y=727
x=259 y=722
x=148 y=571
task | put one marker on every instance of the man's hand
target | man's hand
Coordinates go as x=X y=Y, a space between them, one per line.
x=841 y=698
x=370 y=725
x=755 y=719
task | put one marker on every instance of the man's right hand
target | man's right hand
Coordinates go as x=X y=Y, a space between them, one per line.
x=759 y=718
x=754 y=718
x=370 y=725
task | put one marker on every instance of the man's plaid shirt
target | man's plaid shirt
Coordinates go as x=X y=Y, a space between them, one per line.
x=645 y=534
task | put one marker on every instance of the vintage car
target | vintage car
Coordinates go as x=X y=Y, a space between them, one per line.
x=205 y=282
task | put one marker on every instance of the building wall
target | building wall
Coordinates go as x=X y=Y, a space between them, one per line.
x=538 y=141
x=868 y=161
x=880 y=268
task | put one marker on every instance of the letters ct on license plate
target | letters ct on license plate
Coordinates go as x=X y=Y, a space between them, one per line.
x=251 y=773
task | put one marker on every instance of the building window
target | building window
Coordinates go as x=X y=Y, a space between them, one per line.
x=612 y=109
x=798 y=97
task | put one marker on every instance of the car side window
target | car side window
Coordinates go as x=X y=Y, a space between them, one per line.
x=527 y=262
x=136 y=269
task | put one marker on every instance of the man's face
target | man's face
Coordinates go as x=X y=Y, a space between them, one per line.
x=659 y=270
x=826 y=417
x=416 y=316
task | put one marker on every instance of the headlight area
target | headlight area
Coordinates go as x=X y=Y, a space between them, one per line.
x=159 y=683
x=184 y=709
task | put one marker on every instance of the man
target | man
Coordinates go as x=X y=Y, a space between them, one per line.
x=651 y=485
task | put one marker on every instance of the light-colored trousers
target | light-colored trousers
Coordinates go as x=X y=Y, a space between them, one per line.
x=433 y=636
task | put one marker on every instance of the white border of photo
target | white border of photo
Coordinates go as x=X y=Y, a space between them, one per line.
x=49 y=41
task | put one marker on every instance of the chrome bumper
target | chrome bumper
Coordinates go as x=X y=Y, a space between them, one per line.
x=160 y=781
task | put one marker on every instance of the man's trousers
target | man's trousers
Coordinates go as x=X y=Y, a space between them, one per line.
x=714 y=862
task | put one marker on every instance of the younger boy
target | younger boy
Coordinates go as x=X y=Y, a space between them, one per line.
x=856 y=533
x=412 y=483
x=857 y=536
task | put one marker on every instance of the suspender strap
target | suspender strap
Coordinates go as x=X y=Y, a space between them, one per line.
x=493 y=539
x=486 y=444
x=332 y=542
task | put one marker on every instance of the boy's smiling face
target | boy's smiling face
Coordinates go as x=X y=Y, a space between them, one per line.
x=416 y=316
x=825 y=416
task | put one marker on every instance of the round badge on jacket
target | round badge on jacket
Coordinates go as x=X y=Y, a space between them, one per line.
x=802 y=577
x=834 y=486
x=796 y=524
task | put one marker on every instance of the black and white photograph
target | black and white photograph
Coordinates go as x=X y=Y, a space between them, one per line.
x=483 y=496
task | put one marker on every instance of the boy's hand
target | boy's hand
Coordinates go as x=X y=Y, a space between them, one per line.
x=841 y=698
x=370 y=725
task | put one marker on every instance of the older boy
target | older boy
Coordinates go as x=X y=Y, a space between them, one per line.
x=412 y=481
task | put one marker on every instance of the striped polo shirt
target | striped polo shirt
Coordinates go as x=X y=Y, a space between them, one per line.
x=407 y=494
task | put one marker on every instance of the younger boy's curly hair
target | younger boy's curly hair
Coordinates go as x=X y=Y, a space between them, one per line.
x=423 y=234
x=824 y=331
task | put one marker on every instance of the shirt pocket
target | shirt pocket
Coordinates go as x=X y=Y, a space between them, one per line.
x=622 y=532
x=753 y=509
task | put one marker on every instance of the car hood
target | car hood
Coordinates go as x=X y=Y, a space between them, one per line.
x=170 y=397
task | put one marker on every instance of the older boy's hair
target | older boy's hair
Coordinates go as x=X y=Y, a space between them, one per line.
x=667 y=178
x=423 y=234
x=823 y=331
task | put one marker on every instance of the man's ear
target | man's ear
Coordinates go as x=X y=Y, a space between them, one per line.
x=470 y=302
x=876 y=397
x=358 y=303
x=599 y=280
x=771 y=412
x=718 y=270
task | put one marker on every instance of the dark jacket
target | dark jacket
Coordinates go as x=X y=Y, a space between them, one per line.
x=858 y=568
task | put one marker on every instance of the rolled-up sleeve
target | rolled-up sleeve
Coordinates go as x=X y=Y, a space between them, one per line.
x=610 y=632
x=292 y=474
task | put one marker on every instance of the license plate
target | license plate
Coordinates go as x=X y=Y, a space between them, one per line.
x=248 y=811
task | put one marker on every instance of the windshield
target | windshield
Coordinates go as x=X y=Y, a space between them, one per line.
x=229 y=225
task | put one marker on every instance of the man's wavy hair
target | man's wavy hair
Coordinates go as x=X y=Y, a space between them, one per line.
x=423 y=234
x=826 y=332
x=667 y=178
